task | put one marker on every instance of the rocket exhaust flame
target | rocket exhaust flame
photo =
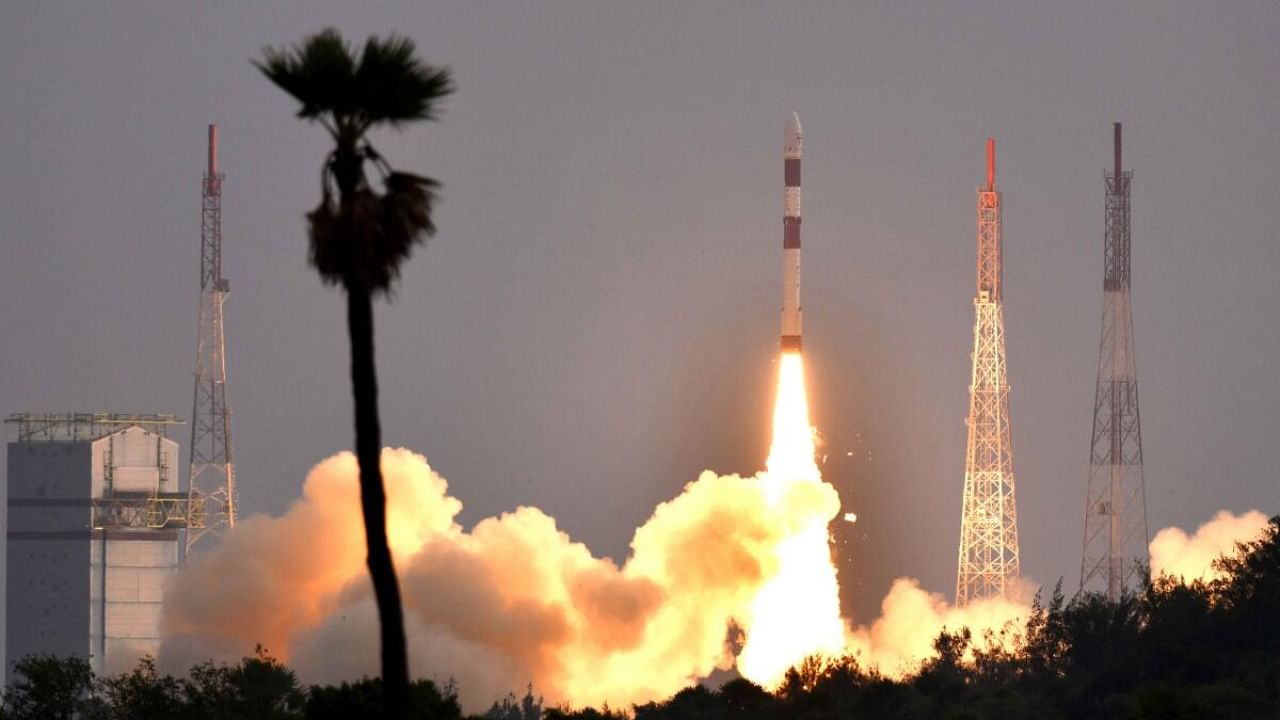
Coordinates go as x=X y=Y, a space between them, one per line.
x=797 y=611
x=792 y=452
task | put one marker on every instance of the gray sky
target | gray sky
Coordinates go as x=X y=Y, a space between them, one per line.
x=596 y=321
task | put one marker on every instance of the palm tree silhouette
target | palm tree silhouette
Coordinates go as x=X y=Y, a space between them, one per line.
x=358 y=239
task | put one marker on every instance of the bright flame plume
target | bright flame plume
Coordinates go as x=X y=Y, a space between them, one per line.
x=797 y=611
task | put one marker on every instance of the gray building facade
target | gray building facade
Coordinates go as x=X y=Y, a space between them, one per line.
x=88 y=544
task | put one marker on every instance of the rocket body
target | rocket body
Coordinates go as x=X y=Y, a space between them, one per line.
x=791 y=313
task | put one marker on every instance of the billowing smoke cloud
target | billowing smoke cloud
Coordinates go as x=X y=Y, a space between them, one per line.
x=903 y=637
x=911 y=619
x=1190 y=558
x=515 y=600
x=271 y=577
x=512 y=601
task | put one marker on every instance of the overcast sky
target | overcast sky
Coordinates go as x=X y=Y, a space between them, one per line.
x=597 y=320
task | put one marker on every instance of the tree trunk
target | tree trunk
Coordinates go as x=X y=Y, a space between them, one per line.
x=373 y=501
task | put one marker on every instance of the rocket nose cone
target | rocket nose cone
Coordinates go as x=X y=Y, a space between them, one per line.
x=793 y=124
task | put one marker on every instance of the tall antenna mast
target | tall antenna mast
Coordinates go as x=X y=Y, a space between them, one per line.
x=211 y=489
x=1115 y=521
x=989 y=519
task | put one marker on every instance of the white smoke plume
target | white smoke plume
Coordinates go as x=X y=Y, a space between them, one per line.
x=1190 y=557
x=911 y=619
x=512 y=601
x=515 y=600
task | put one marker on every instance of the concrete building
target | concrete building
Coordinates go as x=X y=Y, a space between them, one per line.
x=92 y=535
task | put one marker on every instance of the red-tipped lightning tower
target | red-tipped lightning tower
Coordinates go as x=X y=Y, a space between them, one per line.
x=989 y=561
x=211 y=484
x=791 y=154
x=1115 y=521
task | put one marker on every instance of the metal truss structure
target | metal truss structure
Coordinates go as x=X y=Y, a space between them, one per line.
x=211 y=484
x=116 y=511
x=1115 y=521
x=75 y=427
x=988 y=560
x=162 y=511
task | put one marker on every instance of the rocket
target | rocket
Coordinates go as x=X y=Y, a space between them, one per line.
x=791 y=236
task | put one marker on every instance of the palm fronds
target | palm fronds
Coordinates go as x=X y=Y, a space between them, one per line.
x=366 y=241
x=386 y=84
x=357 y=235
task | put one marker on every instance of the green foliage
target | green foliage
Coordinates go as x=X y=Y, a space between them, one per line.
x=584 y=714
x=526 y=708
x=256 y=687
x=49 y=688
x=143 y=694
x=363 y=700
x=745 y=699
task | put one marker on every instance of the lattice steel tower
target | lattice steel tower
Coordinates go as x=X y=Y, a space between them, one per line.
x=989 y=521
x=211 y=489
x=1115 y=521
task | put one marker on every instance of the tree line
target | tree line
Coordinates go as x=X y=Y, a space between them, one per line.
x=43 y=687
